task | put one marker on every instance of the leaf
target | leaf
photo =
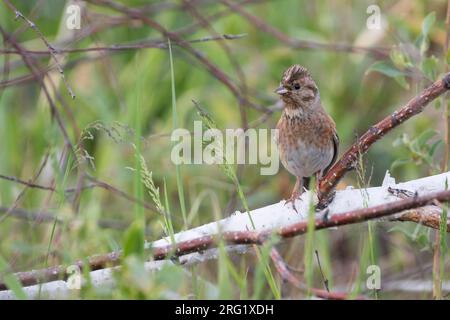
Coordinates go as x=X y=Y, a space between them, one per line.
x=402 y=140
x=399 y=163
x=402 y=81
x=399 y=58
x=385 y=68
x=434 y=147
x=424 y=242
x=133 y=242
x=425 y=137
x=422 y=40
x=428 y=67
x=437 y=104
x=428 y=23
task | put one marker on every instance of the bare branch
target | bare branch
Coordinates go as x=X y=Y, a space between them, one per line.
x=287 y=275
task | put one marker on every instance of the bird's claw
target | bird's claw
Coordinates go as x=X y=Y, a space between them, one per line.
x=292 y=199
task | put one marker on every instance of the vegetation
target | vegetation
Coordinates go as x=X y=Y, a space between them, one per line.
x=94 y=174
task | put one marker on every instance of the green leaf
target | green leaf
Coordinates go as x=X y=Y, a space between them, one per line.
x=437 y=104
x=386 y=69
x=401 y=80
x=434 y=147
x=399 y=58
x=428 y=23
x=133 y=242
x=399 y=163
x=402 y=140
x=424 y=137
x=429 y=66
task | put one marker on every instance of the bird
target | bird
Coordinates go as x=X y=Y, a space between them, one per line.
x=306 y=135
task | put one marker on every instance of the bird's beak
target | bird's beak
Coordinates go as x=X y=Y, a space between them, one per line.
x=281 y=90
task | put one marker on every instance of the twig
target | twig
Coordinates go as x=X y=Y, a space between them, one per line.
x=260 y=24
x=48 y=45
x=210 y=66
x=26 y=183
x=348 y=161
x=95 y=183
x=37 y=76
x=325 y=280
x=48 y=217
x=146 y=44
x=22 y=192
x=114 y=21
x=429 y=216
x=286 y=275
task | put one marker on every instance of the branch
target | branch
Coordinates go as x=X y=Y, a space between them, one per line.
x=277 y=219
x=287 y=275
x=348 y=161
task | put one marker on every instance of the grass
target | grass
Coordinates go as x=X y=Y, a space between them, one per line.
x=363 y=184
x=149 y=92
x=229 y=170
x=309 y=247
x=180 y=187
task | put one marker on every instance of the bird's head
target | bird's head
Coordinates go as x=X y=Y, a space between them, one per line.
x=297 y=88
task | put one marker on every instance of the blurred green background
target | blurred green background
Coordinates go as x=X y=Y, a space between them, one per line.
x=124 y=97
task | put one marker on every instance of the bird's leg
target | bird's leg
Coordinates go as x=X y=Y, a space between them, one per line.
x=296 y=192
x=319 y=175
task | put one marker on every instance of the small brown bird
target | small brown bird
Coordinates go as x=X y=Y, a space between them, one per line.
x=307 y=139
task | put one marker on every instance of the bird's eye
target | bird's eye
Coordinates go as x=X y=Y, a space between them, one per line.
x=296 y=86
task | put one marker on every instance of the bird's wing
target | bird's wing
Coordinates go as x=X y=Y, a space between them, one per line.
x=335 y=151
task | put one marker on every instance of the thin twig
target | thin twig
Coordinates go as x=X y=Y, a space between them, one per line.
x=37 y=76
x=51 y=49
x=145 y=44
x=48 y=217
x=260 y=24
x=215 y=71
x=325 y=280
x=95 y=183
x=283 y=270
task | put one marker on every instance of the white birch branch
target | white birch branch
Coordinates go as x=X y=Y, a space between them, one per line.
x=270 y=217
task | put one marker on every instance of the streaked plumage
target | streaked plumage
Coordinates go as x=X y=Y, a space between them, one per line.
x=307 y=139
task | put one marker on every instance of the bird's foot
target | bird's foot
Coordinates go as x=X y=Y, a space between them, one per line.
x=294 y=196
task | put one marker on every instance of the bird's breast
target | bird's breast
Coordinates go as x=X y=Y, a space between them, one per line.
x=305 y=147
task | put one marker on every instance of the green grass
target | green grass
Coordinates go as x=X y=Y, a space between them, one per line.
x=180 y=187
x=137 y=97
